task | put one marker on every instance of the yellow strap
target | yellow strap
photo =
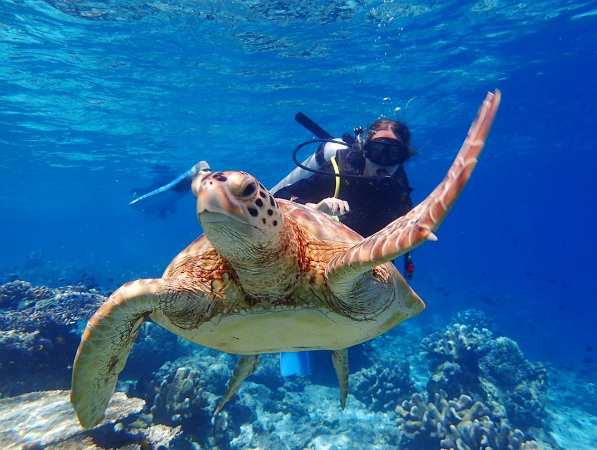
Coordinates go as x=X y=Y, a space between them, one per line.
x=337 y=172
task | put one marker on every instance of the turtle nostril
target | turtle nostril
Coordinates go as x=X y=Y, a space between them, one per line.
x=249 y=189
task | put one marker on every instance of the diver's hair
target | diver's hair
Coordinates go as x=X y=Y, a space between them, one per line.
x=398 y=128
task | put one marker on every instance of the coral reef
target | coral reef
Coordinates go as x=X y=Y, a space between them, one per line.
x=511 y=380
x=184 y=392
x=457 y=343
x=266 y=413
x=40 y=331
x=461 y=423
x=453 y=356
x=28 y=308
x=382 y=388
x=309 y=419
x=483 y=393
x=183 y=397
x=469 y=360
x=16 y=291
x=39 y=334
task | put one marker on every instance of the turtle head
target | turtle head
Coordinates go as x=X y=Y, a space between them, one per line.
x=233 y=206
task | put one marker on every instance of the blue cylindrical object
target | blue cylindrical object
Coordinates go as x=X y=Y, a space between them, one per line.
x=295 y=363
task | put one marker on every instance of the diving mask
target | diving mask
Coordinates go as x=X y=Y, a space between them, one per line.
x=386 y=151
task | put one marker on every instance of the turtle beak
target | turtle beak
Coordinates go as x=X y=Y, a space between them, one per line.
x=214 y=197
x=211 y=200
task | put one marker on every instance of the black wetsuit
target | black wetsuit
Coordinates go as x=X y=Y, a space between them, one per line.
x=373 y=203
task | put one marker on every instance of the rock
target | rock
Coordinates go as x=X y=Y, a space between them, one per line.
x=46 y=419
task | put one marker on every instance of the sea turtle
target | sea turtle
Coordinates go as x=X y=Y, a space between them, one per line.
x=269 y=276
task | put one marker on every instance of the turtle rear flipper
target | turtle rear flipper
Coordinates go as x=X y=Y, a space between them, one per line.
x=106 y=344
x=245 y=367
x=340 y=361
x=412 y=229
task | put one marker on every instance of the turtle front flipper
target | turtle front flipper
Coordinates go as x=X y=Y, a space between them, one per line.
x=412 y=229
x=105 y=346
x=245 y=367
x=340 y=361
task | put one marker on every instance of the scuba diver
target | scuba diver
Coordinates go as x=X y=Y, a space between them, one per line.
x=359 y=179
x=353 y=178
x=160 y=201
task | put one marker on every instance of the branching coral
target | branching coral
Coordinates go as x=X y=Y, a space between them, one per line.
x=454 y=358
x=459 y=424
x=469 y=360
x=457 y=343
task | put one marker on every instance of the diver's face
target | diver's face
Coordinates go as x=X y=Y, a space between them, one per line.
x=376 y=170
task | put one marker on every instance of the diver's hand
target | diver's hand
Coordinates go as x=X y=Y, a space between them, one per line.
x=331 y=206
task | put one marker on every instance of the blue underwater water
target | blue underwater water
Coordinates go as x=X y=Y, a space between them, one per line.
x=100 y=100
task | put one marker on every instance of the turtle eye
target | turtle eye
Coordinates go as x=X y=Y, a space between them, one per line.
x=249 y=189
